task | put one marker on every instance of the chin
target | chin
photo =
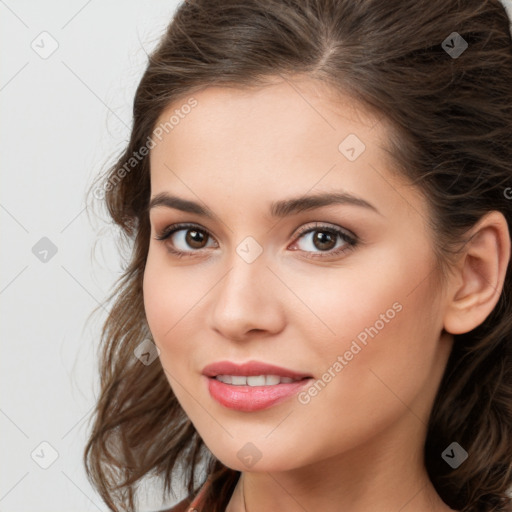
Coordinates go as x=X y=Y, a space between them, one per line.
x=256 y=456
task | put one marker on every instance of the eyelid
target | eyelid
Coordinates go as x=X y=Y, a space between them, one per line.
x=173 y=228
x=325 y=225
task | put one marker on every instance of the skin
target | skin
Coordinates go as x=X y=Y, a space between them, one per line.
x=356 y=445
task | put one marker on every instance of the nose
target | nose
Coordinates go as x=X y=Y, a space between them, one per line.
x=248 y=301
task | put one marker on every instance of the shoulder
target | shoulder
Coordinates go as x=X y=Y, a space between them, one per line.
x=193 y=504
x=188 y=505
x=182 y=506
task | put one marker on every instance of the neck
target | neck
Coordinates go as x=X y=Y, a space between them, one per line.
x=368 y=477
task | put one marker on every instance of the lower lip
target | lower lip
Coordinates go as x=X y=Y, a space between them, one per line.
x=252 y=398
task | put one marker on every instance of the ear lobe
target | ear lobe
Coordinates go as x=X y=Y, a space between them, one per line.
x=477 y=283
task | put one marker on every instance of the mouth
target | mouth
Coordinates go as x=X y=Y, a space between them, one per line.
x=252 y=386
x=255 y=380
x=250 y=369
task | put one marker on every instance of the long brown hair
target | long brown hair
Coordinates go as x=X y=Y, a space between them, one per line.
x=451 y=119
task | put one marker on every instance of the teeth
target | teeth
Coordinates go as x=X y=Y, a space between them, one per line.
x=270 y=380
x=224 y=378
x=254 y=380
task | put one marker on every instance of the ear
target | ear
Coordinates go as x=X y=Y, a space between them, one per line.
x=478 y=279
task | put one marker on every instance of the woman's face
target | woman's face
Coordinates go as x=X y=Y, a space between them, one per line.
x=340 y=291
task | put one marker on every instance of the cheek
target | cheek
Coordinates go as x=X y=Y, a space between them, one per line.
x=169 y=301
x=379 y=300
x=380 y=315
x=166 y=301
x=174 y=301
x=155 y=285
x=382 y=355
x=170 y=295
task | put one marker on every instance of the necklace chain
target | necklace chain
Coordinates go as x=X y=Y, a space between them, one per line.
x=243 y=494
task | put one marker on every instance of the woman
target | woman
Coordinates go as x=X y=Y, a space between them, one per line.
x=317 y=312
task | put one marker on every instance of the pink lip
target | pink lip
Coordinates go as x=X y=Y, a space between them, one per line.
x=251 y=398
x=250 y=368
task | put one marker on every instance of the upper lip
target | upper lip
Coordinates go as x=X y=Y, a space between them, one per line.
x=250 y=368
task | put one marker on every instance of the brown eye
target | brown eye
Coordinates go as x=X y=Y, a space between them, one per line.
x=195 y=238
x=324 y=240
x=185 y=238
x=319 y=241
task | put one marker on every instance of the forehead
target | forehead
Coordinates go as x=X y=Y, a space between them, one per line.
x=283 y=107
x=283 y=139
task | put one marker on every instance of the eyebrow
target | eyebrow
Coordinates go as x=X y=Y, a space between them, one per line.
x=282 y=208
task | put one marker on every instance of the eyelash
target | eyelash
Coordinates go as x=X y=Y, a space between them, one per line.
x=350 y=240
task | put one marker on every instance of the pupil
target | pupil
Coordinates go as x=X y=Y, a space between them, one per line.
x=324 y=238
x=195 y=238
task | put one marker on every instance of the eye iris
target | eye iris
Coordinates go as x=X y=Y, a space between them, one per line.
x=324 y=237
x=323 y=240
x=194 y=238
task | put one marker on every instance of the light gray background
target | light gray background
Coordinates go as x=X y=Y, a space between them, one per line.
x=63 y=118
